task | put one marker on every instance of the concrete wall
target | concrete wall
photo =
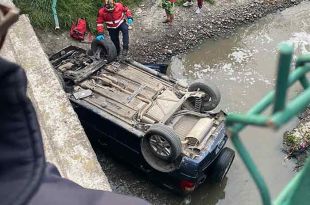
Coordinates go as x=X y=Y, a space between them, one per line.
x=66 y=144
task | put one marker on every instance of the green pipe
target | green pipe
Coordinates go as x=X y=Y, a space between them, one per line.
x=295 y=106
x=279 y=118
x=297 y=74
x=267 y=100
x=286 y=194
x=297 y=190
x=304 y=82
x=247 y=119
x=302 y=60
x=284 y=64
x=54 y=4
x=257 y=177
x=258 y=108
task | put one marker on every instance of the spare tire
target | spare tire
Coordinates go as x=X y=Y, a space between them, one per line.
x=222 y=165
x=160 y=148
x=65 y=83
x=107 y=49
x=212 y=94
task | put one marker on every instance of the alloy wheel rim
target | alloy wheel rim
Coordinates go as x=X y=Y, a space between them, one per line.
x=160 y=145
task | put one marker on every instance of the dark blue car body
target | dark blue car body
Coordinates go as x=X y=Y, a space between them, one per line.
x=123 y=139
x=103 y=126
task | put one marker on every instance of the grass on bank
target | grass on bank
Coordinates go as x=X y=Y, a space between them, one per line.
x=40 y=12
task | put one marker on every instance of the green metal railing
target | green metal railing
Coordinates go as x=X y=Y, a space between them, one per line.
x=54 y=10
x=298 y=190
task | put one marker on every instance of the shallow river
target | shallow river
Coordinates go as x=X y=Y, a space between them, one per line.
x=243 y=66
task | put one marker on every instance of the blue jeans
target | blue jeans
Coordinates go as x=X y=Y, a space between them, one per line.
x=114 y=35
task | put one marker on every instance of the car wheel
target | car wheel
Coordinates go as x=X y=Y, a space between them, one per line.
x=66 y=84
x=160 y=148
x=212 y=95
x=107 y=49
x=164 y=142
x=222 y=165
x=60 y=79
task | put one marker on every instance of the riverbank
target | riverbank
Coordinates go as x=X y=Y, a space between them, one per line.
x=296 y=143
x=152 y=41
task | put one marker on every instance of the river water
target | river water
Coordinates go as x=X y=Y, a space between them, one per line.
x=243 y=67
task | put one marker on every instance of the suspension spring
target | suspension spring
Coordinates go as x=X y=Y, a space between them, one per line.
x=198 y=104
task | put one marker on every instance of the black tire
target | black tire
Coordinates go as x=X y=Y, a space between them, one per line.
x=167 y=134
x=222 y=165
x=163 y=163
x=212 y=98
x=108 y=51
x=60 y=79
x=66 y=84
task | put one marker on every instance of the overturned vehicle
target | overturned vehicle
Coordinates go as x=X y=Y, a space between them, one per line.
x=164 y=128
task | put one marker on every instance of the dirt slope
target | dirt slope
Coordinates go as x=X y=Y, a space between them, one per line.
x=153 y=41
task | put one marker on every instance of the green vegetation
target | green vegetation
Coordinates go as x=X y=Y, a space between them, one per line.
x=297 y=145
x=296 y=141
x=40 y=12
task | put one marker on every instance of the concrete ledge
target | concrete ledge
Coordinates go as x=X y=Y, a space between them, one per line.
x=66 y=144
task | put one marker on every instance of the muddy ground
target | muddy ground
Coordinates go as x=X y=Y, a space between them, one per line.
x=152 y=41
x=191 y=29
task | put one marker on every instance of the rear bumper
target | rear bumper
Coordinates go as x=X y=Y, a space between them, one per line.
x=194 y=171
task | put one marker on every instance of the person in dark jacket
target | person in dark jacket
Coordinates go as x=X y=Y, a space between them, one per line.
x=25 y=176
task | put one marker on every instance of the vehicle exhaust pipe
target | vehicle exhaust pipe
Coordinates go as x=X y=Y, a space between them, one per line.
x=154 y=72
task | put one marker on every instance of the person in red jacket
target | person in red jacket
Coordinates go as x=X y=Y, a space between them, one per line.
x=114 y=16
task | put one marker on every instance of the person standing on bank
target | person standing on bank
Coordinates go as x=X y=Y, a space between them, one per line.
x=189 y=3
x=168 y=5
x=114 y=16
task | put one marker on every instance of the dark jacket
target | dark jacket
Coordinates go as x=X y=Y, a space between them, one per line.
x=25 y=177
